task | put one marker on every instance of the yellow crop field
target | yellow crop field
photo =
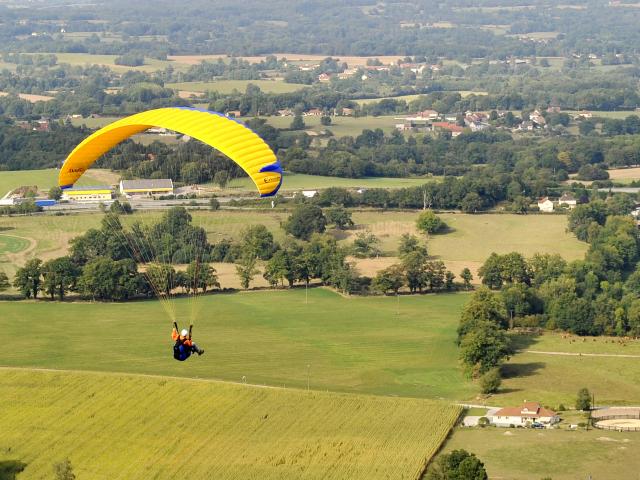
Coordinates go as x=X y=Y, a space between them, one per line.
x=119 y=426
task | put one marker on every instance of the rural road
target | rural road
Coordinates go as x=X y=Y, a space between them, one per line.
x=571 y=354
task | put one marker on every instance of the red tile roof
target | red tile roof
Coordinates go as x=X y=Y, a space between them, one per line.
x=528 y=409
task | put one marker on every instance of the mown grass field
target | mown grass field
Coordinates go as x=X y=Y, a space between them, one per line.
x=45 y=178
x=228 y=86
x=525 y=454
x=125 y=427
x=150 y=64
x=300 y=181
x=340 y=126
x=556 y=378
x=385 y=346
x=382 y=346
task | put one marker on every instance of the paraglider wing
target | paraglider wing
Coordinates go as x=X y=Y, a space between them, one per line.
x=226 y=135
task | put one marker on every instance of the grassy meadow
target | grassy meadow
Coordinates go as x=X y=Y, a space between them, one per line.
x=383 y=346
x=340 y=126
x=47 y=178
x=228 y=86
x=100 y=422
x=525 y=454
x=301 y=181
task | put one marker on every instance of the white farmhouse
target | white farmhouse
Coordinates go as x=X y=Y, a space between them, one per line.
x=524 y=416
x=545 y=205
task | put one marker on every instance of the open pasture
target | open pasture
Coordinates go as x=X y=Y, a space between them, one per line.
x=228 y=86
x=383 y=345
x=526 y=454
x=100 y=422
x=340 y=126
x=47 y=178
x=83 y=59
x=552 y=368
x=301 y=181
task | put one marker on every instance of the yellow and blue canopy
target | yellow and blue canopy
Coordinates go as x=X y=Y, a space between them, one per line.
x=225 y=134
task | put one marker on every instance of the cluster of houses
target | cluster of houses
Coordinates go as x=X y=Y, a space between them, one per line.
x=432 y=121
x=529 y=414
x=547 y=205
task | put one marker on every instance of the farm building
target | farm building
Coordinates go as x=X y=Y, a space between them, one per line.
x=139 y=188
x=523 y=416
x=87 y=194
x=545 y=205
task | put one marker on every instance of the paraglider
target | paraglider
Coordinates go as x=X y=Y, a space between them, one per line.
x=183 y=346
x=174 y=239
x=229 y=136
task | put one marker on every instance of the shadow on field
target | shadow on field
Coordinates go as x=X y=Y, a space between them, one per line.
x=512 y=370
x=6 y=229
x=522 y=341
x=9 y=469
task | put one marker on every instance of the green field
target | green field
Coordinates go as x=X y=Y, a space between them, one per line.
x=384 y=346
x=619 y=114
x=555 y=379
x=228 y=86
x=44 y=179
x=340 y=126
x=300 y=181
x=525 y=454
x=268 y=337
x=122 y=426
x=150 y=64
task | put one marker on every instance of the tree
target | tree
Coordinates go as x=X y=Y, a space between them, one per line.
x=467 y=277
x=484 y=306
x=365 y=245
x=246 y=270
x=163 y=277
x=107 y=279
x=306 y=220
x=490 y=381
x=297 y=123
x=340 y=217
x=4 y=282
x=121 y=208
x=428 y=222
x=471 y=203
x=28 y=278
x=277 y=268
x=414 y=265
x=457 y=465
x=583 y=401
x=59 y=276
x=257 y=242
x=64 y=470
x=221 y=177
x=55 y=193
x=325 y=120
x=200 y=276
x=410 y=243
x=214 y=204
x=389 y=279
x=483 y=348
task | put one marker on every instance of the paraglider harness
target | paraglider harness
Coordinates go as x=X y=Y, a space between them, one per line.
x=181 y=351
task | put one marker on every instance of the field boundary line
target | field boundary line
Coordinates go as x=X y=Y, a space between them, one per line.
x=573 y=354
